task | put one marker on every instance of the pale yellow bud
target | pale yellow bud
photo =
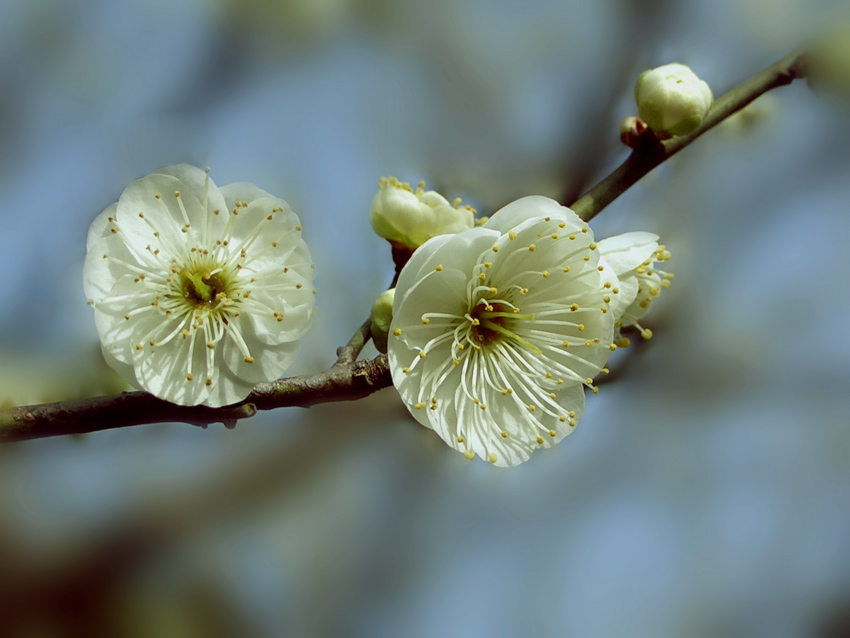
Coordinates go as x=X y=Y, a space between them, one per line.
x=671 y=99
x=409 y=217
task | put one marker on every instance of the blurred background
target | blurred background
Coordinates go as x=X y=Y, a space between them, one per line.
x=706 y=491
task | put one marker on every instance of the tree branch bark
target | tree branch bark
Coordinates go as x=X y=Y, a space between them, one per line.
x=342 y=382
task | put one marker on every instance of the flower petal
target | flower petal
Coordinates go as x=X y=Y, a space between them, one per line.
x=509 y=217
x=628 y=251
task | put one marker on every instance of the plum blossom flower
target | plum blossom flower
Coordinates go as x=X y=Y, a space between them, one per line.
x=642 y=284
x=199 y=292
x=497 y=330
x=407 y=218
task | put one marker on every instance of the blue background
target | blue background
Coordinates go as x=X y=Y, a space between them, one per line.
x=704 y=493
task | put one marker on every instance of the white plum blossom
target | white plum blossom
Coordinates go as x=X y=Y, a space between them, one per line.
x=671 y=99
x=642 y=283
x=199 y=292
x=497 y=330
x=408 y=218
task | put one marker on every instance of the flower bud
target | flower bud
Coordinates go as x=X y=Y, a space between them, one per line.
x=382 y=317
x=671 y=99
x=409 y=218
x=632 y=130
x=828 y=62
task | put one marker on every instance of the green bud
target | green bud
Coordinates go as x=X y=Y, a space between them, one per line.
x=382 y=317
x=408 y=218
x=828 y=62
x=672 y=100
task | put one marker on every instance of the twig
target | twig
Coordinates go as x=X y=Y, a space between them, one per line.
x=646 y=157
x=344 y=382
x=348 y=353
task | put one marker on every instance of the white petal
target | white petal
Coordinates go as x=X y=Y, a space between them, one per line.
x=628 y=289
x=141 y=214
x=117 y=334
x=125 y=370
x=107 y=261
x=100 y=227
x=515 y=213
x=194 y=181
x=163 y=370
x=243 y=192
x=458 y=252
x=628 y=251
x=298 y=314
x=268 y=243
x=269 y=362
x=227 y=389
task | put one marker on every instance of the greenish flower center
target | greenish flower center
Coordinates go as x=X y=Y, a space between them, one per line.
x=494 y=322
x=202 y=289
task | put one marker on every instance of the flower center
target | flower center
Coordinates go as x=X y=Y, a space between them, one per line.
x=204 y=288
x=488 y=326
x=496 y=321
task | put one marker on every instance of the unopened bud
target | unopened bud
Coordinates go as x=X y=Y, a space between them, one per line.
x=409 y=218
x=632 y=129
x=671 y=99
x=828 y=62
x=382 y=317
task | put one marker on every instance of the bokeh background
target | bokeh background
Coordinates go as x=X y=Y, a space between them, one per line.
x=705 y=493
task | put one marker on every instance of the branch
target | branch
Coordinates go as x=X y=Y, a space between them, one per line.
x=347 y=379
x=647 y=156
x=348 y=353
x=342 y=382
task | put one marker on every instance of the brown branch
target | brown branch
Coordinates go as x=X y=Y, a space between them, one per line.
x=647 y=156
x=342 y=382
x=349 y=352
